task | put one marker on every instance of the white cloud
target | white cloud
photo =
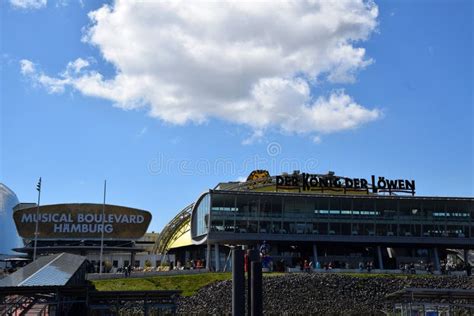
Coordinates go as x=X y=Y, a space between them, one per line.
x=27 y=67
x=245 y=62
x=317 y=139
x=28 y=4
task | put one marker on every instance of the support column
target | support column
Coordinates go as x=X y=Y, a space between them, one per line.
x=208 y=256
x=436 y=259
x=216 y=257
x=379 y=255
x=315 y=255
x=132 y=259
x=186 y=257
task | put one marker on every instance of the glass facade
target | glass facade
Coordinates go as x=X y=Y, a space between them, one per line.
x=200 y=221
x=274 y=213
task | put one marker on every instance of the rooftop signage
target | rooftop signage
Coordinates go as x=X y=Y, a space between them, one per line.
x=309 y=182
x=82 y=221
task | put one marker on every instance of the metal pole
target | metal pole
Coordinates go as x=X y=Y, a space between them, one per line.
x=257 y=288
x=253 y=255
x=238 y=282
x=436 y=259
x=102 y=236
x=379 y=255
x=38 y=187
x=217 y=257
x=315 y=255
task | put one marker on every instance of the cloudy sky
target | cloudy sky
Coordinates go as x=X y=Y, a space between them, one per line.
x=166 y=99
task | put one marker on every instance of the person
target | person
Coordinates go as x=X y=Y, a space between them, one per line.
x=318 y=265
x=468 y=269
x=443 y=267
x=402 y=268
x=412 y=268
x=129 y=269
x=361 y=266
x=429 y=268
x=369 y=266
x=306 y=266
x=125 y=271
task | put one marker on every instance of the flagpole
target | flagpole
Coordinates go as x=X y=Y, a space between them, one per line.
x=38 y=187
x=102 y=237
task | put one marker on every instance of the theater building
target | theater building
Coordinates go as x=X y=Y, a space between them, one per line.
x=321 y=218
x=80 y=228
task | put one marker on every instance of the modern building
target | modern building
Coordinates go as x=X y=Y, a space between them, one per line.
x=8 y=234
x=84 y=229
x=321 y=218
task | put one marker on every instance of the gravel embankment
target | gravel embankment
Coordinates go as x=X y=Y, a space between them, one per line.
x=316 y=294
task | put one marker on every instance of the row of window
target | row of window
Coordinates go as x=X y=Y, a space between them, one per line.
x=346 y=212
x=343 y=229
x=447 y=214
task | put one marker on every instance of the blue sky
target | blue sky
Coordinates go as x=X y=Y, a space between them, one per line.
x=402 y=108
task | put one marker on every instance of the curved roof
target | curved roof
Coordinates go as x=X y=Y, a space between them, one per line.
x=172 y=234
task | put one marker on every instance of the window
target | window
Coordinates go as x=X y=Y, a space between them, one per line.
x=202 y=215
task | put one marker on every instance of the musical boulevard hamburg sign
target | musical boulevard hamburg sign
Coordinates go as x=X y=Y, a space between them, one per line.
x=82 y=221
x=310 y=182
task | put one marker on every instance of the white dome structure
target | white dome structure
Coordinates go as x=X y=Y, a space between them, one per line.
x=9 y=237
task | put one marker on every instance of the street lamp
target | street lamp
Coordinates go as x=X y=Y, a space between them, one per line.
x=38 y=188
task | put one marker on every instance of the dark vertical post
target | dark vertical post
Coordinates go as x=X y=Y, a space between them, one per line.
x=436 y=259
x=132 y=259
x=380 y=258
x=256 y=292
x=238 y=283
x=253 y=255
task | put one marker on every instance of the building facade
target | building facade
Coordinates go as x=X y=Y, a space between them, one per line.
x=326 y=223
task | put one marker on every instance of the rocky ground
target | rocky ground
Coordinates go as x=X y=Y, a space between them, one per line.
x=316 y=294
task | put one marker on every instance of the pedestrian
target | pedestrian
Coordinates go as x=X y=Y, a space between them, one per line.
x=306 y=266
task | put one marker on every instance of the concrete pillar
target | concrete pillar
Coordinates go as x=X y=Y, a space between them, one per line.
x=380 y=258
x=216 y=257
x=315 y=255
x=436 y=259
x=208 y=256
x=132 y=259
x=186 y=257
